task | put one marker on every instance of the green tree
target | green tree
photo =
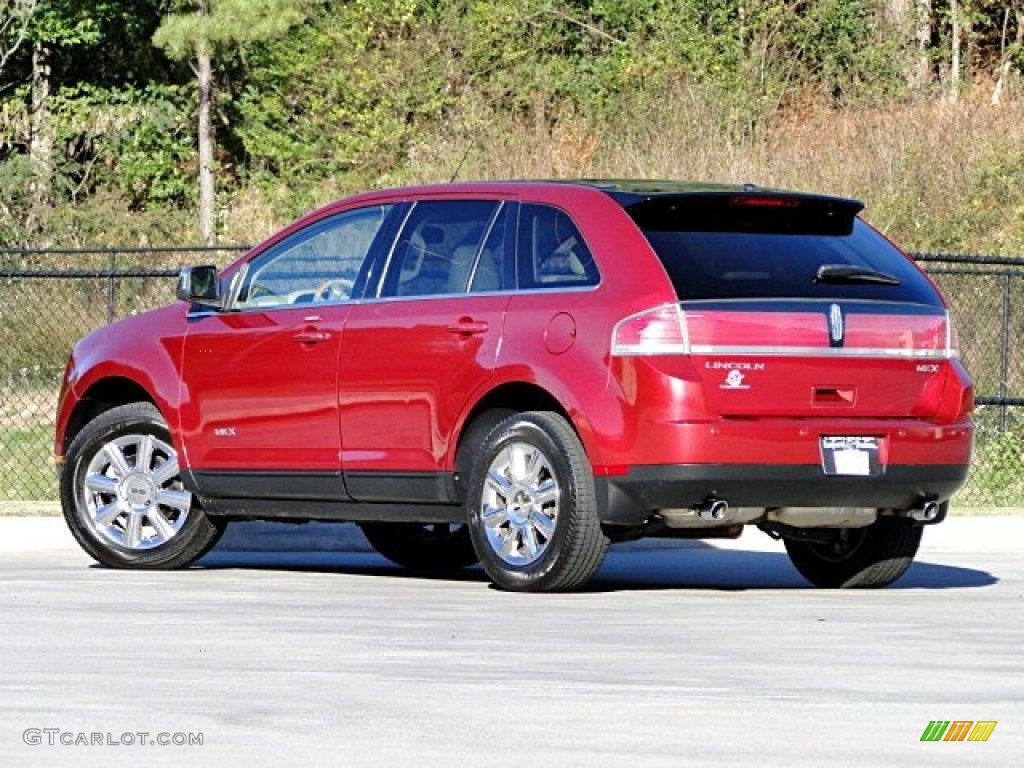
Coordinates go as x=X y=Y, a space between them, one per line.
x=197 y=32
x=15 y=17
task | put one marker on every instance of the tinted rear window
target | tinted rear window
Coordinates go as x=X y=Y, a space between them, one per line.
x=716 y=249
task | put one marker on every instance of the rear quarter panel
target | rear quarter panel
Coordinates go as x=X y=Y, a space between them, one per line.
x=632 y=279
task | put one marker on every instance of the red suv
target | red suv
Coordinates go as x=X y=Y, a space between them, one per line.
x=522 y=373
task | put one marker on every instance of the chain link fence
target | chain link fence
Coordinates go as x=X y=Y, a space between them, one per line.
x=50 y=298
x=986 y=296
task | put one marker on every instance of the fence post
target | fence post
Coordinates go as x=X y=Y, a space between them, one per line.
x=111 y=286
x=1004 y=352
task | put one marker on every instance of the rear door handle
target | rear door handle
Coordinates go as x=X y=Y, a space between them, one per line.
x=311 y=336
x=468 y=327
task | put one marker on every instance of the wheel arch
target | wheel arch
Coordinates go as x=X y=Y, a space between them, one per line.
x=498 y=403
x=101 y=396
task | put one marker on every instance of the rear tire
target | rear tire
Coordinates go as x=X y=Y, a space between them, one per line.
x=532 y=506
x=422 y=546
x=870 y=557
x=122 y=495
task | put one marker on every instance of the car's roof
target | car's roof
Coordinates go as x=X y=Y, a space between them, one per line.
x=625 y=192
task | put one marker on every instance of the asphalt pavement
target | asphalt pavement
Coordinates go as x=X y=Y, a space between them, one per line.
x=710 y=654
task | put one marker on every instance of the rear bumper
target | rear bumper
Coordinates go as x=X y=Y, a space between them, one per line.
x=632 y=498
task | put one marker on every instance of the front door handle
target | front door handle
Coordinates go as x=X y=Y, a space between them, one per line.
x=468 y=327
x=311 y=336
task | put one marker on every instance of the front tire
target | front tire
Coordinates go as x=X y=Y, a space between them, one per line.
x=122 y=495
x=532 y=506
x=422 y=546
x=870 y=557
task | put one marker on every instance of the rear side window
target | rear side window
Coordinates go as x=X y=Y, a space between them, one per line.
x=551 y=251
x=726 y=247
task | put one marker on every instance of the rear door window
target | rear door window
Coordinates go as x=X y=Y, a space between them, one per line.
x=437 y=250
x=493 y=270
x=736 y=247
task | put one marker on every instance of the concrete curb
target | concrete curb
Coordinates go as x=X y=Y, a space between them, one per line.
x=997 y=533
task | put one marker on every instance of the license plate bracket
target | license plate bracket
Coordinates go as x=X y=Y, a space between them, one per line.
x=851 y=456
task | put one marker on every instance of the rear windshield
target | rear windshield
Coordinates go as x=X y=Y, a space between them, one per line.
x=718 y=249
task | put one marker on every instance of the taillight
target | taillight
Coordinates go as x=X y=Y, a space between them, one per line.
x=952 y=339
x=658 y=331
x=671 y=330
x=762 y=201
x=966 y=402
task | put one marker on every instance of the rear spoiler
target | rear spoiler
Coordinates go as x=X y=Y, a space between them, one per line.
x=782 y=213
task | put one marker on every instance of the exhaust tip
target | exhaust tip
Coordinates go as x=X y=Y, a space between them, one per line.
x=713 y=509
x=925 y=512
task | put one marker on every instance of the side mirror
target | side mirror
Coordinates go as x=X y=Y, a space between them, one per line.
x=199 y=284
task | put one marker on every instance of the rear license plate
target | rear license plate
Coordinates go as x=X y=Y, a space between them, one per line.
x=850 y=456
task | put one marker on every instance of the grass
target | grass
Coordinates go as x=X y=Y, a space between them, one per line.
x=26 y=469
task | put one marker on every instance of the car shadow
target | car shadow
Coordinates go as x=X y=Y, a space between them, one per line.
x=702 y=568
x=738 y=570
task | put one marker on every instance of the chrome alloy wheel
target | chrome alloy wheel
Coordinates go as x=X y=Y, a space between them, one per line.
x=520 y=501
x=132 y=493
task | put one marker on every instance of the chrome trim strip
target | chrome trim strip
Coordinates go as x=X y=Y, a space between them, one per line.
x=371 y=291
x=483 y=242
x=777 y=351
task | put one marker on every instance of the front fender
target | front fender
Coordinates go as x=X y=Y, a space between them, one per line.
x=119 y=362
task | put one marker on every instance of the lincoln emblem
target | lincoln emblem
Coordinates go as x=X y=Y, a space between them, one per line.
x=835 y=326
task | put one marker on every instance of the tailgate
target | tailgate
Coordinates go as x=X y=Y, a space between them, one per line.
x=784 y=358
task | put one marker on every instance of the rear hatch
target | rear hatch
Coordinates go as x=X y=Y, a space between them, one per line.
x=792 y=306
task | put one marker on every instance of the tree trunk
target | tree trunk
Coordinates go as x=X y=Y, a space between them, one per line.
x=41 y=130
x=899 y=16
x=921 y=66
x=207 y=189
x=954 y=55
x=969 y=43
x=1007 y=52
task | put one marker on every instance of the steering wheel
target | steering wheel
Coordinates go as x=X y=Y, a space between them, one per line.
x=333 y=290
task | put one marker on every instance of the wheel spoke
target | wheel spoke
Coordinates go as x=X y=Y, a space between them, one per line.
x=118 y=463
x=509 y=544
x=547 y=493
x=499 y=483
x=535 y=465
x=159 y=522
x=102 y=484
x=145 y=453
x=106 y=514
x=518 y=459
x=133 y=530
x=530 y=541
x=166 y=471
x=494 y=516
x=176 y=499
x=544 y=524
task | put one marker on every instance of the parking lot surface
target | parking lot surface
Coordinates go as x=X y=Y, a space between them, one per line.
x=673 y=657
